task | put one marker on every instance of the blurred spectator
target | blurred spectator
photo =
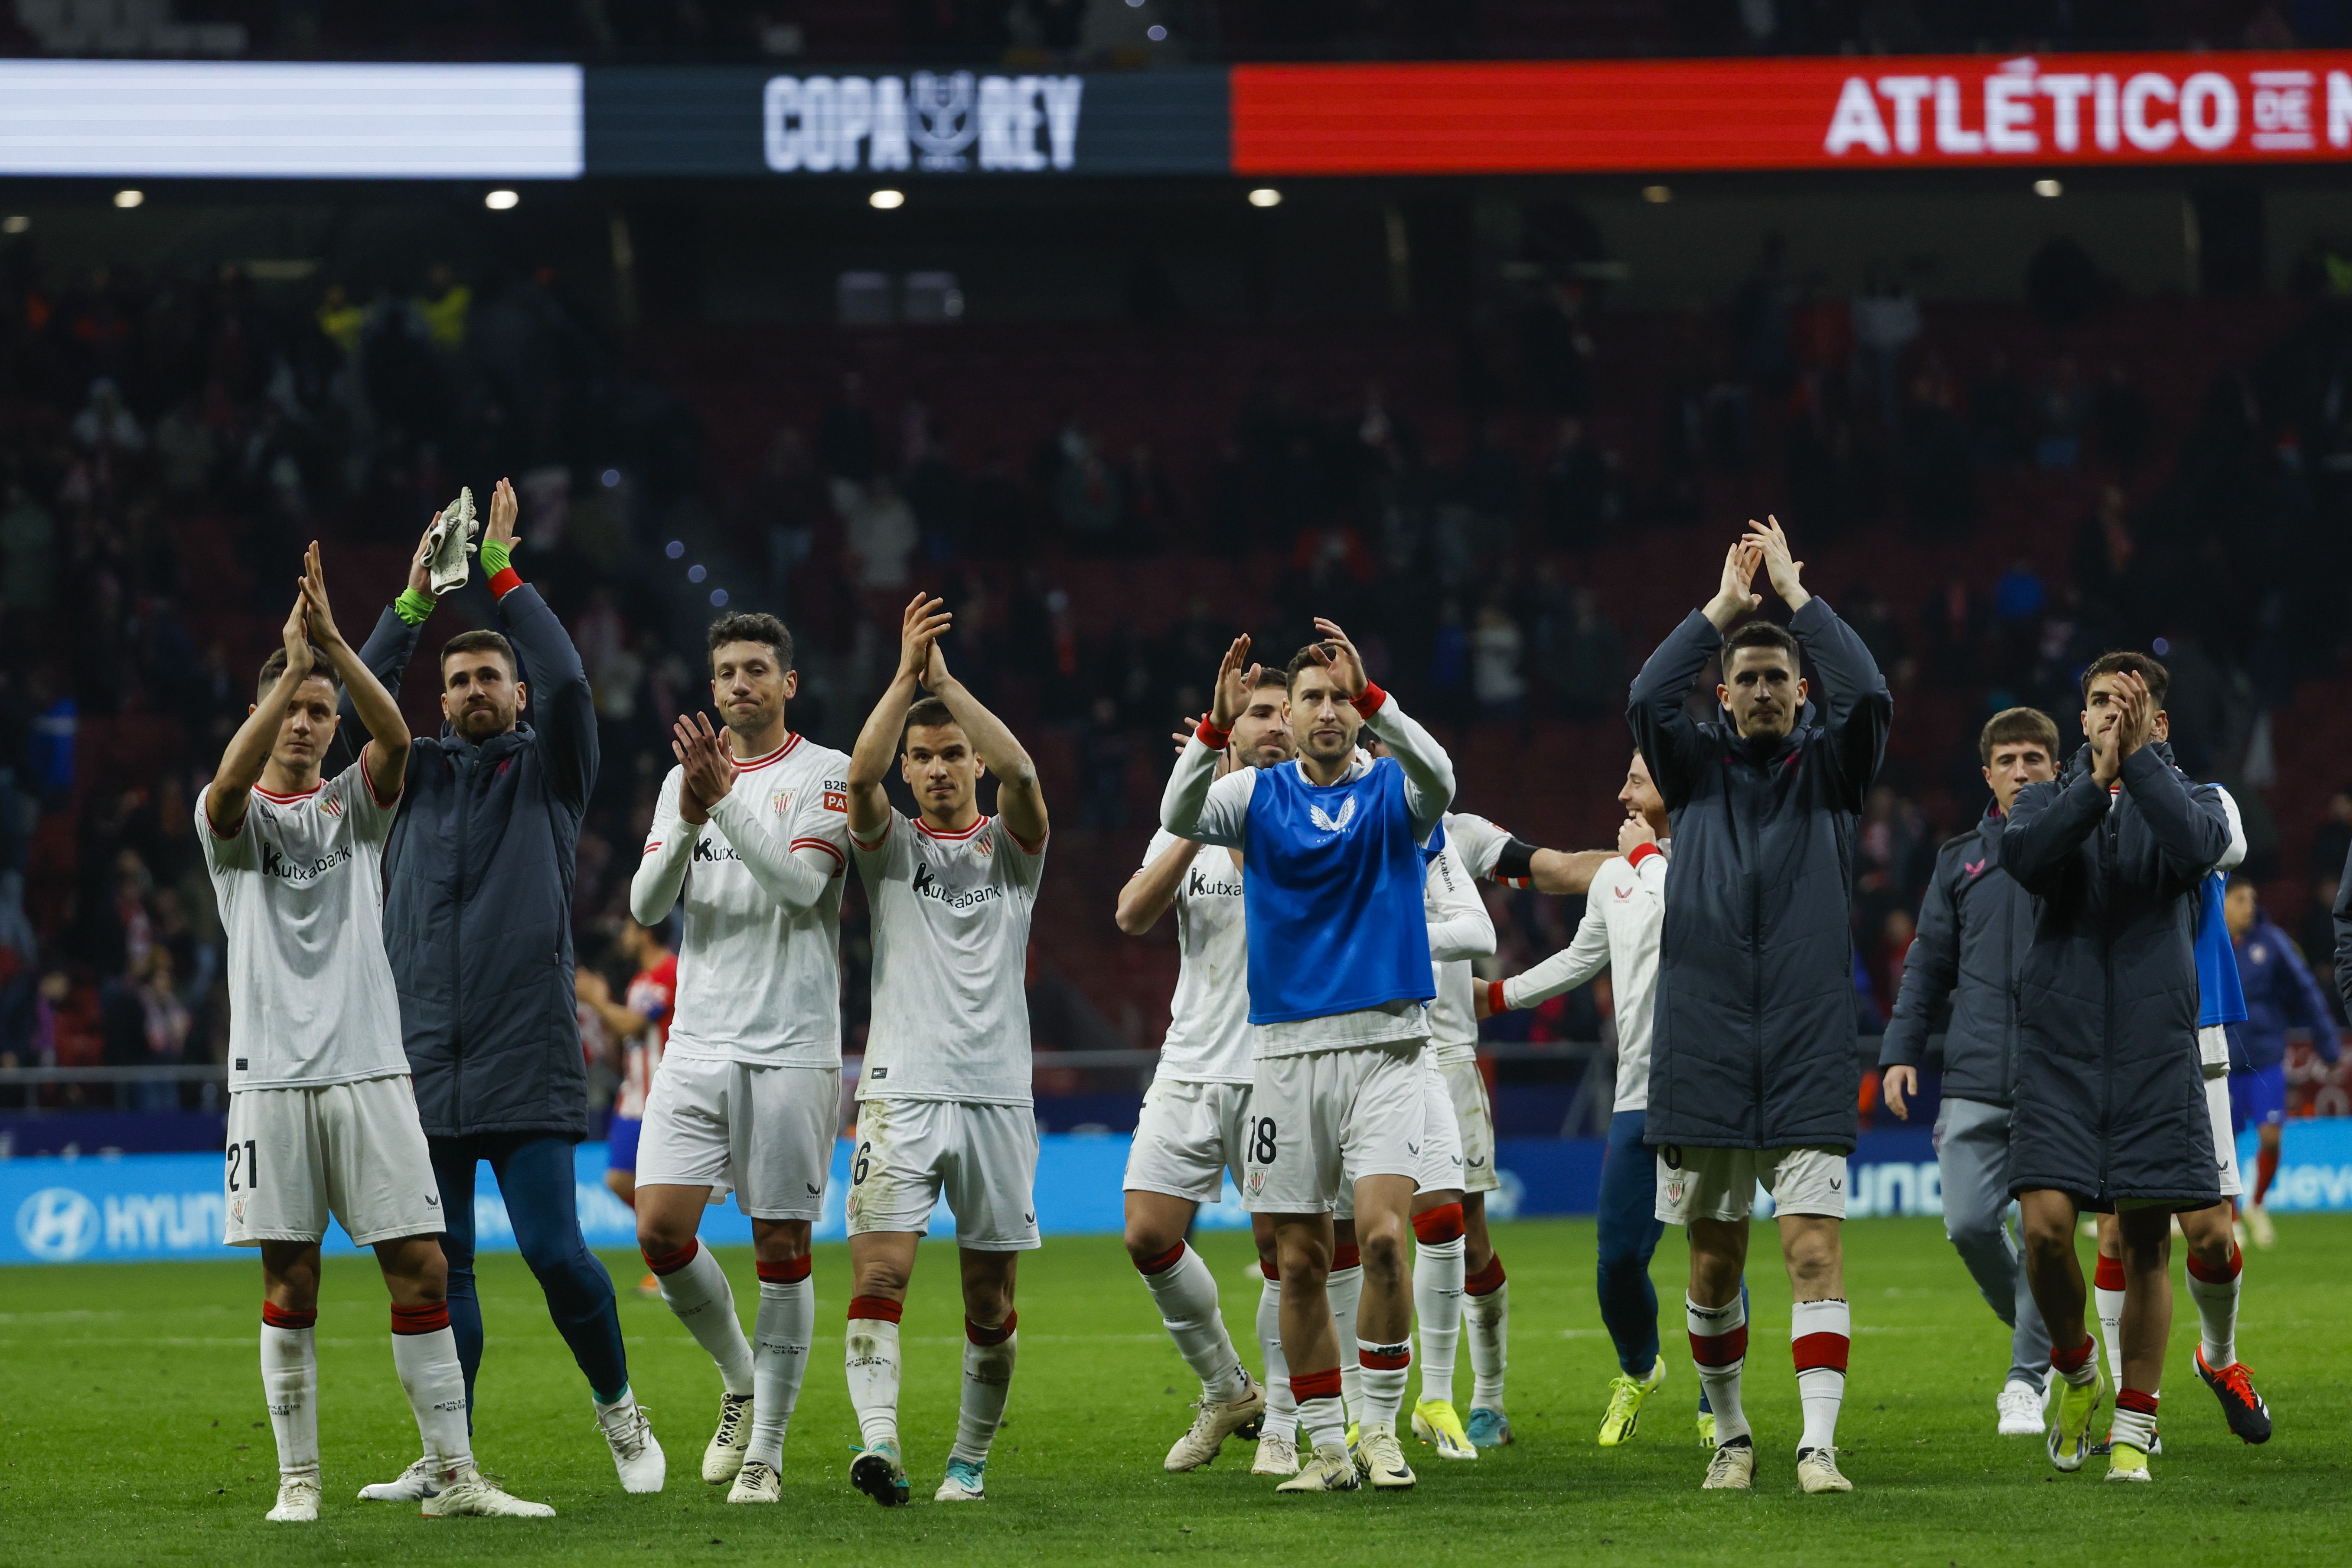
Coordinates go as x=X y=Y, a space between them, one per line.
x=29 y=553
x=2062 y=406
x=2020 y=595
x=1497 y=649
x=1885 y=323
x=1575 y=484
x=881 y=534
x=105 y=422
x=1586 y=666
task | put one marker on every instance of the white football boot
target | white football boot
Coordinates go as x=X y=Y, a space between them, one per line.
x=1218 y=1420
x=725 y=1455
x=297 y=1498
x=757 y=1482
x=419 y=1481
x=637 y=1454
x=476 y=1495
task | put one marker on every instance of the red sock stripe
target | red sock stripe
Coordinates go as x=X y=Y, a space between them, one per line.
x=979 y=1335
x=1440 y=1224
x=1346 y=1255
x=2212 y=1276
x=1306 y=1385
x=1813 y=1352
x=2133 y=1399
x=1487 y=1280
x=880 y=1307
x=671 y=1262
x=429 y=1319
x=2072 y=1360
x=2266 y=1164
x=787 y=1273
x=280 y=1318
x=1720 y=1350
x=1387 y=1358
x=1164 y=1262
x=2110 y=1275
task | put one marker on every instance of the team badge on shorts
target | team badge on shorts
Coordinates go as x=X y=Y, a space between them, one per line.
x=1257 y=1183
x=1673 y=1192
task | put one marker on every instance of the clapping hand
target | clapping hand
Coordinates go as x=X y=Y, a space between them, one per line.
x=1340 y=660
x=1771 y=543
x=321 y=619
x=1236 y=678
x=709 y=770
x=920 y=625
x=1733 y=596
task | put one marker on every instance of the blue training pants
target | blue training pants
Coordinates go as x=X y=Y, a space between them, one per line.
x=1630 y=1230
x=535 y=1177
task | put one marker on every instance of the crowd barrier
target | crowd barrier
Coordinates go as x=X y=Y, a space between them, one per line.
x=145 y=1207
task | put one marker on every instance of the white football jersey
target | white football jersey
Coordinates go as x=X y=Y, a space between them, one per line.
x=950 y=918
x=300 y=887
x=1208 y=1038
x=1624 y=913
x=757 y=984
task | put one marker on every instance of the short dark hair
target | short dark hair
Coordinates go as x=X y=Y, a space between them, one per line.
x=2159 y=679
x=928 y=713
x=1303 y=659
x=752 y=625
x=322 y=669
x=2012 y=724
x=1760 y=633
x=1269 y=676
x=2240 y=879
x=474 y=641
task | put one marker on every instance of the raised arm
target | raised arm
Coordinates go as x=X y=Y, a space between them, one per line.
x=387 y=758
x=869 y=760
x=393 y=643
x=1197 y=805
x=231 y=791
x=1459 y=925
x=668 y=854
x=562 y=709
x=1150 y=892
x=2047 y=823
x=2191 y=827
x=1020 y=799
x=1428 y=770
x=795 y=879
x=1664 y=730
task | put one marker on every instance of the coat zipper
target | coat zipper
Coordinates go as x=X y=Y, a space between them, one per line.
x=458 y=922
x=2108 y=1031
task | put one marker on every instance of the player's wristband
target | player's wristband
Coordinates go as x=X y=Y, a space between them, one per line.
x=500 y=562
x=1209 y=735
x=1516 y=864
x=1370 y=700
x=1495 y=1003
x=1642 y=852
x=413 y=607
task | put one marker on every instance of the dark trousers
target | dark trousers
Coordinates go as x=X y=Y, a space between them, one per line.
x=1630 y=1230
x=535 y=1178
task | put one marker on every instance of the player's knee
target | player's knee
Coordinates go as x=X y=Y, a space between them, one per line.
x=1382 y=1243
x=658 y=1236
x=1148 y=1244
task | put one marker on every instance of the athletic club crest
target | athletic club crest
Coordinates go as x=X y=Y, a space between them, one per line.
x=1257 y=1183
x=783 y=803
x=940 y=118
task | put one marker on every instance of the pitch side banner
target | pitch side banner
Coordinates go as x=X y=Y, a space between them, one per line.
x=212 y=119
x=1851 y=113
x=944 y=121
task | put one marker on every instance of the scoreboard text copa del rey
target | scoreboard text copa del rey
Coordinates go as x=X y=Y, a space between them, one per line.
x=944 y=123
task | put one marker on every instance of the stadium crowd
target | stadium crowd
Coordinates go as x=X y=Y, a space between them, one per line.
x=167 y=441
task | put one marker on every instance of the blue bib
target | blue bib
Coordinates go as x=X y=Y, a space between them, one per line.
x=1331 y=890
x=2223 y=994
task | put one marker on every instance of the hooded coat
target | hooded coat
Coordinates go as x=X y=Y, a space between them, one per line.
x=2110 y=1105
x=1754 y=1044
x=1961 y=975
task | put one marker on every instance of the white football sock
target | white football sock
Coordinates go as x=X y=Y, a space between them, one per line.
x=872 y=1359
x=1385 y=1368
x=2108 y=1302
x=1322 y=1414
x=698 y=1291
x=1437 y=1302
x=1344 y=1288
x=289 y=1382
x=1718 y=1337
x=434 y=1382
x=1821 y=1334
x=1488 y=1318
x=2217 y=1308
x=779 y=1346
x=1185 y=1291
x=987 y=1379
x=1281 y=1409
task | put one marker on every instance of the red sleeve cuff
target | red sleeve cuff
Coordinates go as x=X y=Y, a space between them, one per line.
x=504 y=583
x=1642 y=852
x=1495 y=1003
x=1370 y=700
x=1209 y=735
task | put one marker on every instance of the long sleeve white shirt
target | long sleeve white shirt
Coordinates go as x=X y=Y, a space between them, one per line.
x=1623 y=913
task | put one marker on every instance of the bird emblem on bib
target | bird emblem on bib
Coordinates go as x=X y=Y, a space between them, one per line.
x=1329 y=824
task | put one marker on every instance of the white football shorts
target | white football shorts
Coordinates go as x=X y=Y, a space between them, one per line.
x=1720 y=1183
x=982 y=1159
x=352 y=1149
x=1474 y=1121
x=764 y=1134
x=1438 y=1148
x=2225 y=1140
x=1188 y=1137
x=1322 y=1120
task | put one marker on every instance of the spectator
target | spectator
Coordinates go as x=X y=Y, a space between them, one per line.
x=2020 y=595
x=881 y=535
x=1587 y=667
x=105 y=422
x=29 y=553
x=1885 y=323
x=2062 y=408
x=1497 y=649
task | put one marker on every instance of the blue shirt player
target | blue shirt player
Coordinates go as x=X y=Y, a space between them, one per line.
x=2277 y=993
x=1339 y=982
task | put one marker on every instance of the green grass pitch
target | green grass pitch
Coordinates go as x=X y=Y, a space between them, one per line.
x=135 y=1433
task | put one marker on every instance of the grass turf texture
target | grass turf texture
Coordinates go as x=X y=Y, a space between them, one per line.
x=135 y=1432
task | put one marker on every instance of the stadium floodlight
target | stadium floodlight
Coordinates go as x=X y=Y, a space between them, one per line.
x=129 y=199
x=1266 y=196
x=2048 y=188
x=1657 y=195
x=15 y=223
x=1156 y=33
x=501 y=201
x=887 y=200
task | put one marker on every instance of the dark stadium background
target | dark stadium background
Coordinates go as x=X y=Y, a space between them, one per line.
x=1500 y=427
